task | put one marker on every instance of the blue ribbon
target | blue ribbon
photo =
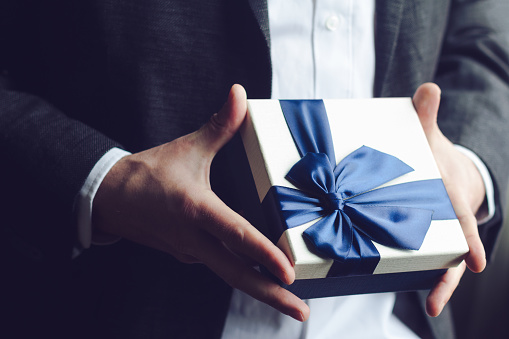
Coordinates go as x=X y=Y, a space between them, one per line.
x=353 y=212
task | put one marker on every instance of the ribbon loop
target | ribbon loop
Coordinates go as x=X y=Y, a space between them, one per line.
x=313 y=174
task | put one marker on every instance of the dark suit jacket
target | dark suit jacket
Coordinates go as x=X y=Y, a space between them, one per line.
x=80 y=77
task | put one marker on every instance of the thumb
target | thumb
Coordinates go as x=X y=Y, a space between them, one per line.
x=426 y=102
x=223 y=125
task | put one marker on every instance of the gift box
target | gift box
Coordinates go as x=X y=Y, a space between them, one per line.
x=350 y=191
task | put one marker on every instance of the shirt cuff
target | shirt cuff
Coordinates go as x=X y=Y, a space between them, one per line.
x=488 y=184
x=85 y=198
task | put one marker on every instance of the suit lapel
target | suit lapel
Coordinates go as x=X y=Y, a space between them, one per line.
x=388 y=20
x=261 y=13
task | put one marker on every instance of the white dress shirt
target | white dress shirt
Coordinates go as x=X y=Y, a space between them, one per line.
x=319 y=49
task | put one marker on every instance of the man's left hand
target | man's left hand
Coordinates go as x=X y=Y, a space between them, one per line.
x=466 y=190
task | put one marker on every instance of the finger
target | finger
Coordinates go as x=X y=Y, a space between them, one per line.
x=186 y=259
x=224 y=124
x=476 y=259
x=243 y=277
x=442 y=292
x=243 y=238
x=426 y=102
x=248 y=260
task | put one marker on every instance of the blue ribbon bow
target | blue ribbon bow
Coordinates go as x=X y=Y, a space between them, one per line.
x=353 y=211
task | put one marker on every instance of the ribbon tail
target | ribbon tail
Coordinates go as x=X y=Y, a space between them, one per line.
x=362 y=259
x=398 y=227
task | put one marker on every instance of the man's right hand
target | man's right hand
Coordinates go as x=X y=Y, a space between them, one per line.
x=162 y=198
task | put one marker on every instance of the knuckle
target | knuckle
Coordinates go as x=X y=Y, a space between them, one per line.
x=468 y=220
x=234 y=235
x=273 y=296
x=216 y=124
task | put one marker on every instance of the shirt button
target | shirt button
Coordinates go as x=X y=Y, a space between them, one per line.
x=332 y=23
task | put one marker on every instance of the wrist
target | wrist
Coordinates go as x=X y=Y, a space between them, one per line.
x=487 y=208
x=87 y=194
x=105 y=204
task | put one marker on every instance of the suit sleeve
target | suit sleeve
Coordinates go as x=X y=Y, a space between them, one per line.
x=473 y=73
x=46 y=159
x=45 y=155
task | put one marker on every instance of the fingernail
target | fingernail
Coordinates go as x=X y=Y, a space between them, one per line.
x=288 y=278
x=440 y=308
x=299 y=316
x=285 y=279
x=230 y=94
x=221 y=117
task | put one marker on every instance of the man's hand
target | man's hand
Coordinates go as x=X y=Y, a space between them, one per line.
x=162 y=198
x=466 y=190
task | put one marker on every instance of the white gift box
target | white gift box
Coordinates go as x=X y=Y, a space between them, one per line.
x=389 y=125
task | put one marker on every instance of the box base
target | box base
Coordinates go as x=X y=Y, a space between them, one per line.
x=376 y=283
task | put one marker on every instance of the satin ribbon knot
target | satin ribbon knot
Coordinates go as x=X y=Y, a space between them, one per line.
x=333 y=201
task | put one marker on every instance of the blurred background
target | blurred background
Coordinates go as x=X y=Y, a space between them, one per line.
x=481 y=302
